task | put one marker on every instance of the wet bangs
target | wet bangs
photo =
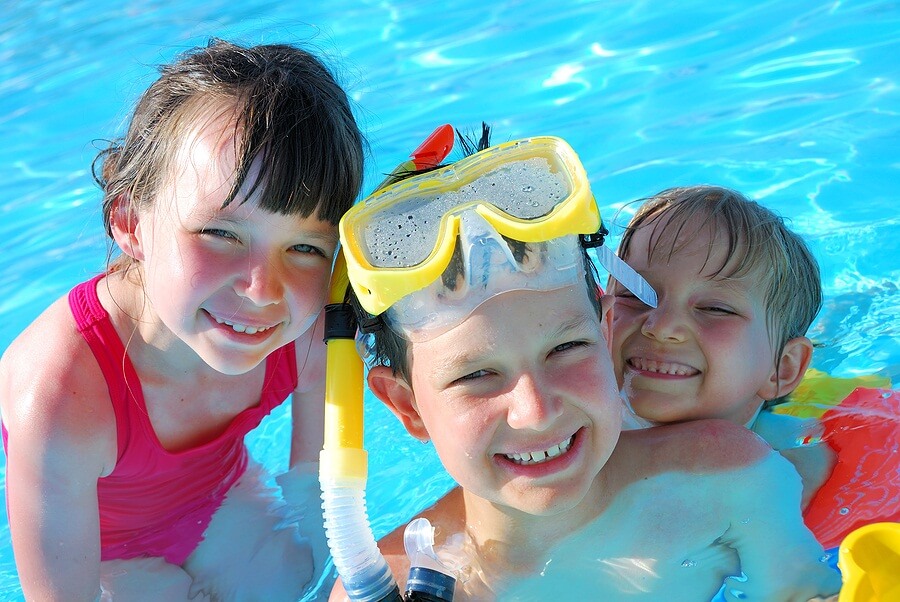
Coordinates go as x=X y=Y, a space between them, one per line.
x=673 y=226
x=310 y=161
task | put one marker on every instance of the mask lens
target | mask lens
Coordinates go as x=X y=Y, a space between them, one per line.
x=491 y=266
x=404 y=233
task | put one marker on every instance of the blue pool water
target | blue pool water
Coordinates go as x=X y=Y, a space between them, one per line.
x=794 y=103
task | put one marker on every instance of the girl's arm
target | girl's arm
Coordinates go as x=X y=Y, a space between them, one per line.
x=300 y=484
x=308 y=400
x=59 y=442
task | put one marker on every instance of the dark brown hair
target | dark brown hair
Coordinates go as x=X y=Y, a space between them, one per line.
x=288 y=109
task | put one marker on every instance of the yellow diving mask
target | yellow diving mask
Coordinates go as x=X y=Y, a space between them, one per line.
x=436 y=245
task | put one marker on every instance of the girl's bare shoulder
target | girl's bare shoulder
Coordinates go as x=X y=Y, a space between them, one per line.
x=52 y=389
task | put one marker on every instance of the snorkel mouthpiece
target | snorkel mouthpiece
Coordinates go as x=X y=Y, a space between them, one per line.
x=430 y=577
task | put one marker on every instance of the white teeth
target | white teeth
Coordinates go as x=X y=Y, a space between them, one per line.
x=536 y=457
x=661 y=367
x=242 y=327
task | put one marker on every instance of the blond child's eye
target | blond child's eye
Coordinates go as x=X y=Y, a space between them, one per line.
x=717 y=309
x=623 y=295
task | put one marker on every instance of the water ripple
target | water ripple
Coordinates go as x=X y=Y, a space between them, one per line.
x=799 y=68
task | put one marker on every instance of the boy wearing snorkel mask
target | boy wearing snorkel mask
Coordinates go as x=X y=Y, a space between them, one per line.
x=492 y=341
x=737 y=292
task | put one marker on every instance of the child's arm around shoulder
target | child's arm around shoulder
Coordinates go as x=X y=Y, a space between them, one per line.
x=61 y=429
x=701 y=446
x=779 y=555
x=789 y=436
x=756 y=494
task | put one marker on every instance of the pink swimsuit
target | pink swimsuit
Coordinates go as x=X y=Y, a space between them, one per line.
x=156 y=502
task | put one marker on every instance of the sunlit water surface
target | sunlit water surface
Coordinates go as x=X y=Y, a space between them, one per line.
x=793 y=103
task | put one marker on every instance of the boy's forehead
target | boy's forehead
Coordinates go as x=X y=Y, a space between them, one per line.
x=514 y=318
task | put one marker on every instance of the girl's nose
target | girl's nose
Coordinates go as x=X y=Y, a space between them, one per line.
x=664 y=323
x=532 y=405
x=262 y=283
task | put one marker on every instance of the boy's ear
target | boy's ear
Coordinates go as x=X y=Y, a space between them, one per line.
x=789 y=370
x=123 y=221
x=398 y=396
x=606 y=318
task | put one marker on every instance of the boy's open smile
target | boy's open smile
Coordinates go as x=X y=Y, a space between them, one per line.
x=540 y=456
x=543 y=462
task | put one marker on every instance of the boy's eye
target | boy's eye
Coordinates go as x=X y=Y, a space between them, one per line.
x=569 y=345
x=304 y=248
x=472 y=376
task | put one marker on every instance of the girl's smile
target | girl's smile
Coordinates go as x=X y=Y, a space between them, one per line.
x=231 y=283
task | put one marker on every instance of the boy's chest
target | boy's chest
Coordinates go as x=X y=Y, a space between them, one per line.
x=655 y=542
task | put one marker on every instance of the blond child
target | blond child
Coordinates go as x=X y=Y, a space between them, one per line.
x=737 y=291
x=125 y=404
x=499 y=354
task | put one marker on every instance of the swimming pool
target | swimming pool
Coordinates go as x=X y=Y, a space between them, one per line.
x=796 y=104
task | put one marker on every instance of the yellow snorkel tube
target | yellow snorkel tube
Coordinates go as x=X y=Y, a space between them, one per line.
x=343 y=463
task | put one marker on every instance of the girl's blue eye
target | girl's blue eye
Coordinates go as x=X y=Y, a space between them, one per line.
x=219 y=233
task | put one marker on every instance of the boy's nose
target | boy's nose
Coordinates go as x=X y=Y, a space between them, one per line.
x=262 y=283
x=532 y=406
x=664 y=323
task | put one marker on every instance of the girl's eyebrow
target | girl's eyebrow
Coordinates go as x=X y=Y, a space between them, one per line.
x=322 y=236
